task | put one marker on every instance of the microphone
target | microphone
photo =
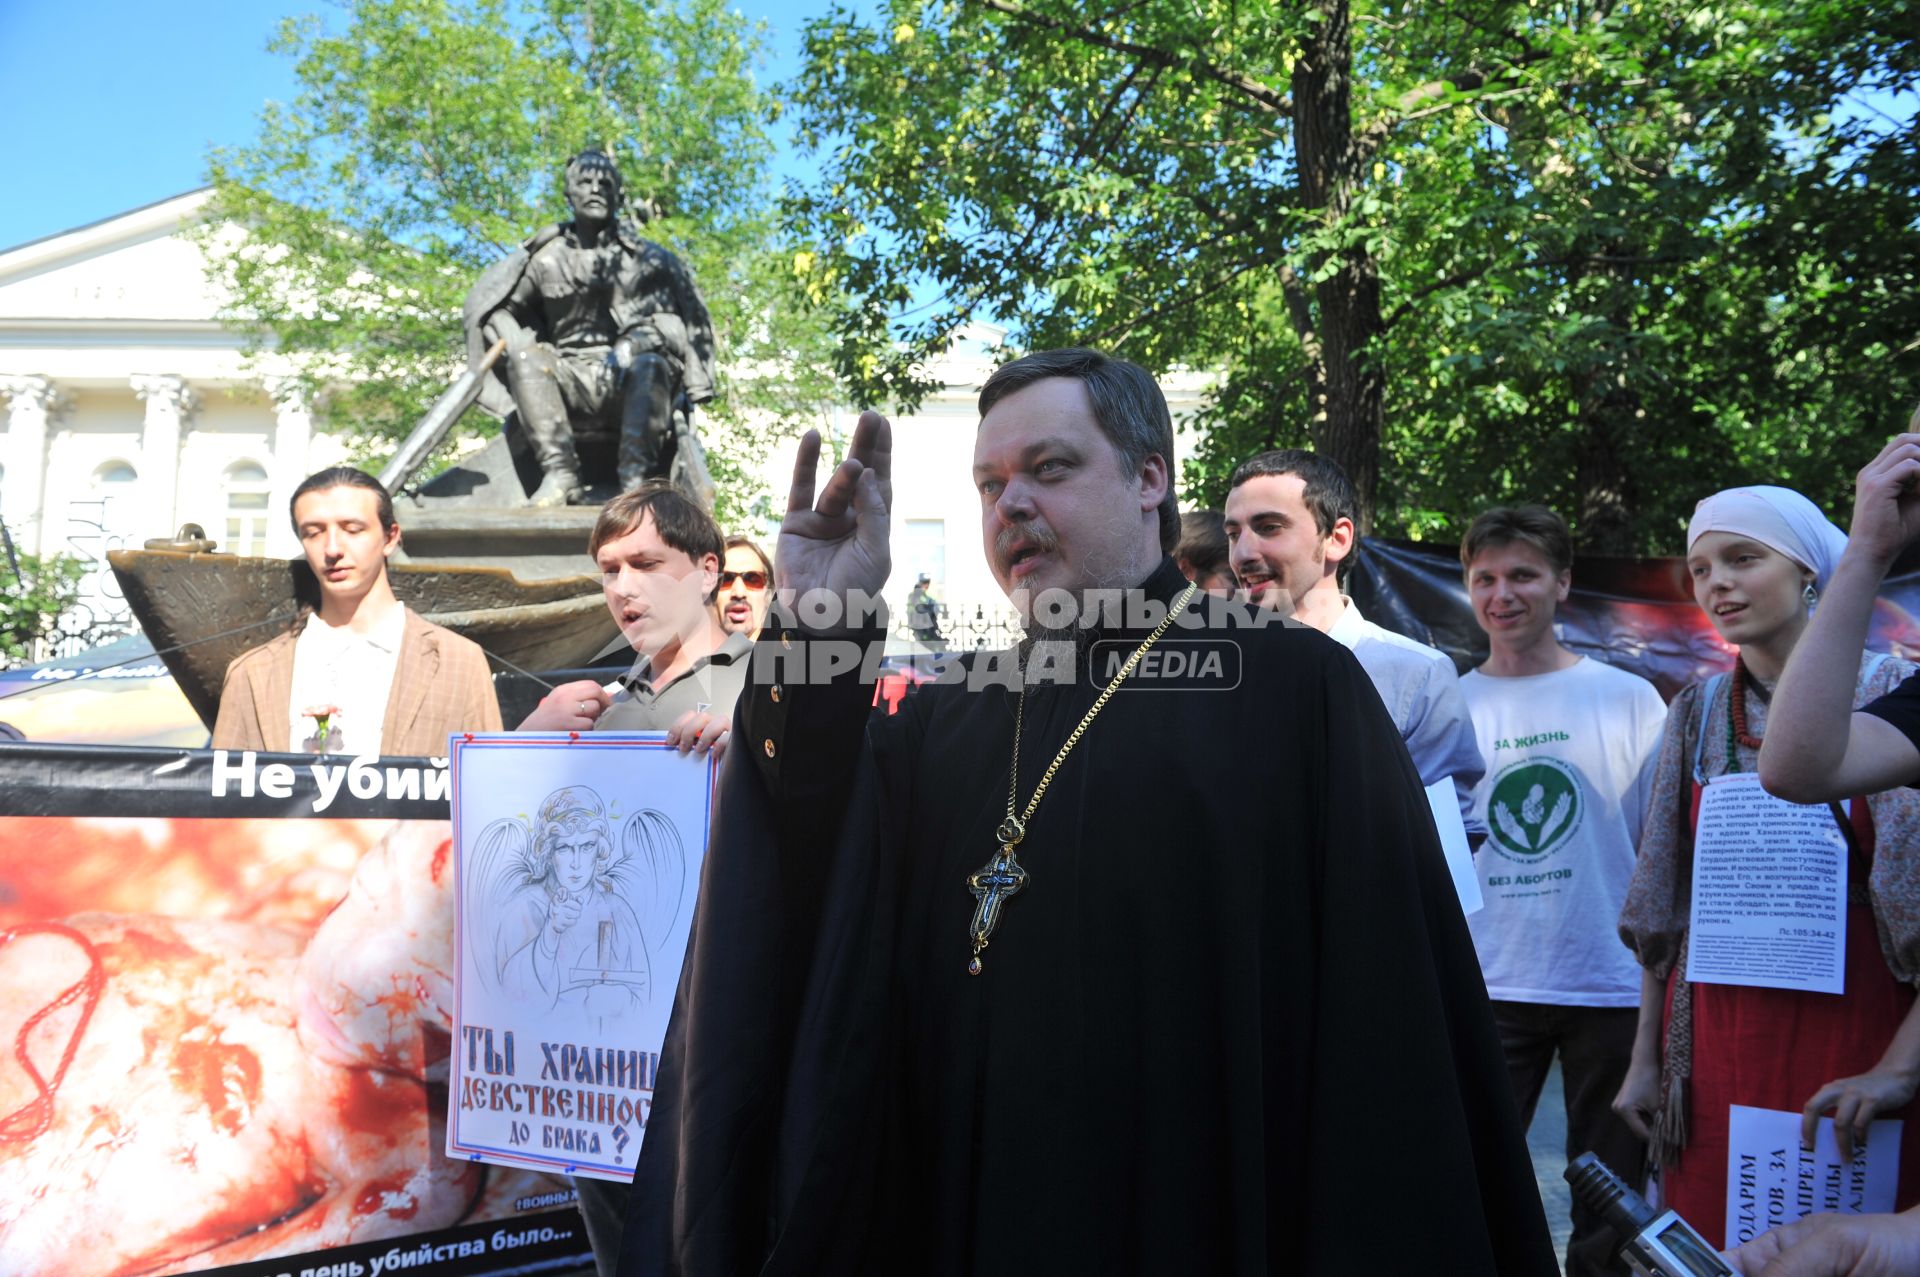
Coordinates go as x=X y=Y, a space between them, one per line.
x=1658 y=1243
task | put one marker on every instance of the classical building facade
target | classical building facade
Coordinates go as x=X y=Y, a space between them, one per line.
x=130 y=410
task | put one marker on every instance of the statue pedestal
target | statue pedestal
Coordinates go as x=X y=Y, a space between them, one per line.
x=202 y=610
x=533 y=544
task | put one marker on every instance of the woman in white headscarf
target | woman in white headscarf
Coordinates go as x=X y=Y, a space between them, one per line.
x=1757 y=558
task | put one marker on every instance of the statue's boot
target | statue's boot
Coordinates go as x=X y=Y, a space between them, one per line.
x=646 y=421
x=543 y=415
x=558 y=488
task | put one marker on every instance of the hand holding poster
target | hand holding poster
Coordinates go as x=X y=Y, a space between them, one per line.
x=1772 y=1181
x=576 y=861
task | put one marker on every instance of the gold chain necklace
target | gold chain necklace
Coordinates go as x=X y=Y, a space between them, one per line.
x=1002 y=877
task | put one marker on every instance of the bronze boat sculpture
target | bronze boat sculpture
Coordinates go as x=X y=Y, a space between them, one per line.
x=202 y=609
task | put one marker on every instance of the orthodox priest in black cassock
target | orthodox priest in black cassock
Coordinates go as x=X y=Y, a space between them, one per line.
x=1233 y=1022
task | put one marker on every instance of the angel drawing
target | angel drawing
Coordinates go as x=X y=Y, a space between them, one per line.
x=561 y=913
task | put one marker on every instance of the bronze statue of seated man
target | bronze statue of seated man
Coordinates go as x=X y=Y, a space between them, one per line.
x=605 y=332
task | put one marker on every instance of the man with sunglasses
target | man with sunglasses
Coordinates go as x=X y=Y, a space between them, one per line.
x=746 y=582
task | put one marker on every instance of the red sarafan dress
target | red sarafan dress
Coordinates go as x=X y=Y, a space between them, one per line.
x=1763 y=1048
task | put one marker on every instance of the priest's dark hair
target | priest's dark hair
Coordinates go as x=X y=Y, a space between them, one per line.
x=1328 y=492
x=1533 y=525
x=343 y=477
x=1126 y=402
x=678 y=518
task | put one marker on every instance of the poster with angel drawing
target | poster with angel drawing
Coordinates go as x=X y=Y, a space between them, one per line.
x=576 y=861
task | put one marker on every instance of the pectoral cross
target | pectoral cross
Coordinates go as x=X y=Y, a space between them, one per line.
x=993 y=884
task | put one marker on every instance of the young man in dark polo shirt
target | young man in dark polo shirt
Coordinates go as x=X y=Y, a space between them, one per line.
x=659 y=556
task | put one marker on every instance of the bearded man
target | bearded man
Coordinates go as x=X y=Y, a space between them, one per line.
x=997 y=985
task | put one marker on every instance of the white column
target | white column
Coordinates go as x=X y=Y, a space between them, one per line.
x=292 y=434
x=35 y=402
x=292 y=440
x=169 y=403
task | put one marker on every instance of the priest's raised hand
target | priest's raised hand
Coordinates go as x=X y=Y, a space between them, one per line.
x=837 y=542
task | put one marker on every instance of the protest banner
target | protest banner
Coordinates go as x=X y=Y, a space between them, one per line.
x=1636 y=614
x=225 y=1002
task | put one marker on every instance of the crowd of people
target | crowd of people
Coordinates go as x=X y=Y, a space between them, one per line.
x=1226 y=1027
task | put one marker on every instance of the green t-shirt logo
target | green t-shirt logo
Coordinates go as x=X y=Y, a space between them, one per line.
x=1534 y=807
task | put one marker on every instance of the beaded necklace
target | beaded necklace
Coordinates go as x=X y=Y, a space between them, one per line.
x=1737 y=712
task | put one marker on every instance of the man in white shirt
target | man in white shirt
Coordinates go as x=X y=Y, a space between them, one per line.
x=1290 y=525
x=361 y=674
x=1571 y=744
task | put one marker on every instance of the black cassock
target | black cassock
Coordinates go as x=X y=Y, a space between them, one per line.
x=1233 y=1024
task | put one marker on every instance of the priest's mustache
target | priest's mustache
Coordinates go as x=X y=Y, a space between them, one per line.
x=1037 y=535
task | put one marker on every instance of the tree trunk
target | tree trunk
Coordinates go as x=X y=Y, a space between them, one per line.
x=1349 y=323
x=1602 y=482
x=1349 y=412
x=1609 y=414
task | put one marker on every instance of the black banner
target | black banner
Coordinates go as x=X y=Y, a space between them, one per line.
x=111 y=780
x=529 y=1244
x=1638 y=614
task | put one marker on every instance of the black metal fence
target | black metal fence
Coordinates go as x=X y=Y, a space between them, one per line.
x=80 y=628
x=971 y=627
x=84 y=626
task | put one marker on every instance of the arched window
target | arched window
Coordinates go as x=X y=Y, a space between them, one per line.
x=111 y=477
x=106 y=516
x=112 y=506
x=246 y=487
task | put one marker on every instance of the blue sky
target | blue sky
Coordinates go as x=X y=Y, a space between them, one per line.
x=121 y=98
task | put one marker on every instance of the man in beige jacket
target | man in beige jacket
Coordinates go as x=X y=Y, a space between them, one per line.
x=362 y=674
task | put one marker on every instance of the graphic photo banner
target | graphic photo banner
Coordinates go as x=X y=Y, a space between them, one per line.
x=225 y=1024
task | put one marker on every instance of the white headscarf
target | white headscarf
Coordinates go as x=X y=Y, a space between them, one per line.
x=1778 y=518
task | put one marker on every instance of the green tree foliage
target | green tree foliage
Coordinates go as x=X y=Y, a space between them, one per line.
x=1608 y=256
x=428 y=138
x=38 y=589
